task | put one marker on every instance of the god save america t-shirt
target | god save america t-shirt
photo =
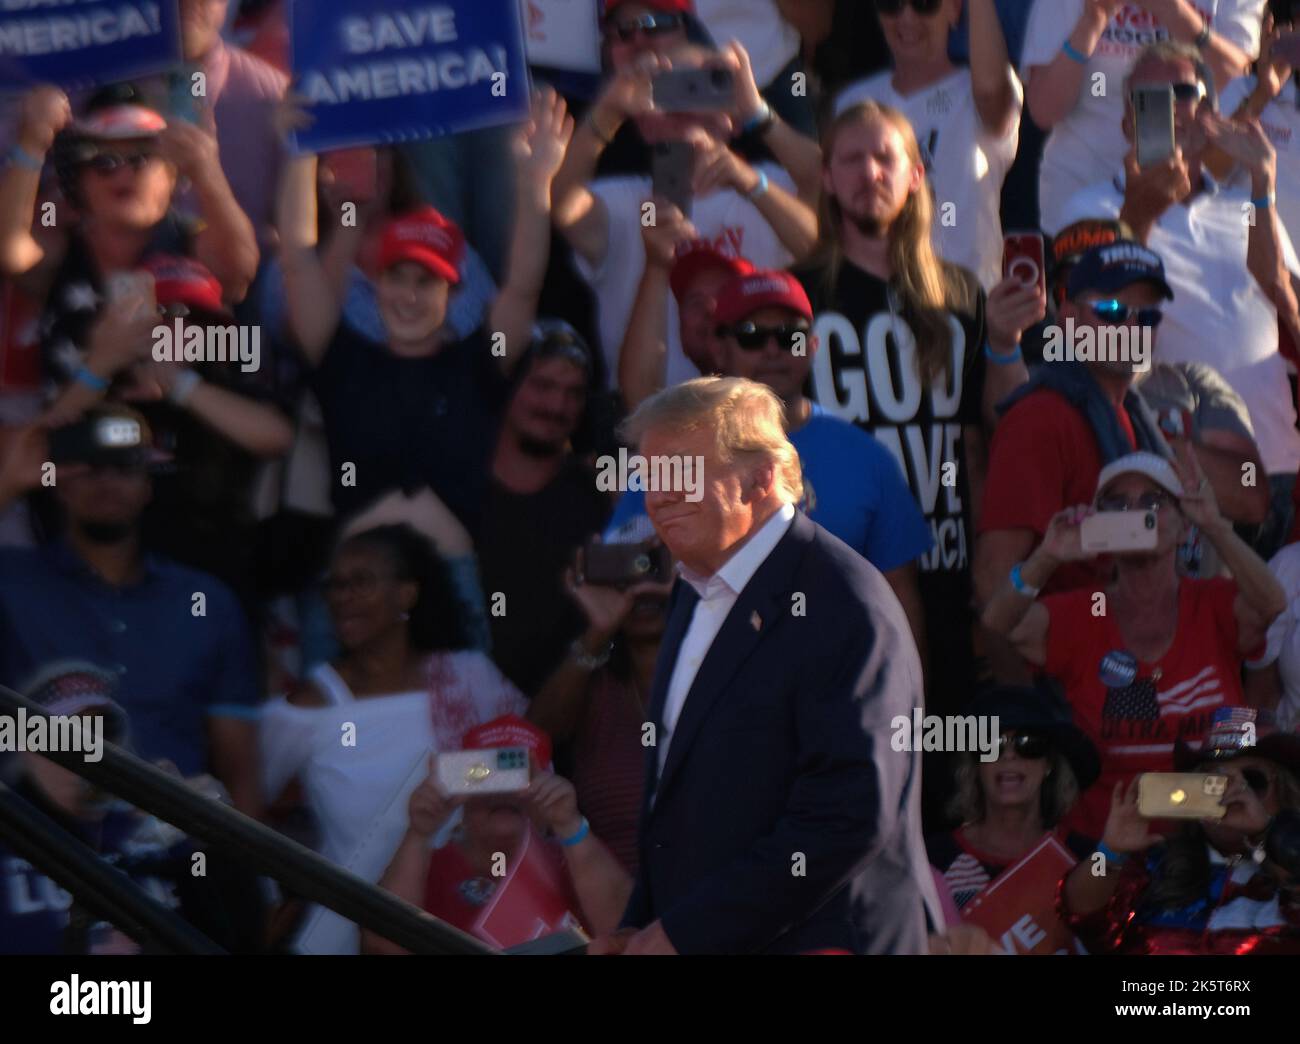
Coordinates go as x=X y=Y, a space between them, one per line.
x=865 y=372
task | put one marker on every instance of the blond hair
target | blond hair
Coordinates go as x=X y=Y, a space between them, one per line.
x=747 y=420
x=927 y=287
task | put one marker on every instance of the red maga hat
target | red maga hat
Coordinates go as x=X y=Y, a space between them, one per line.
x=425 y=237
x=762 y=288
x=694 y=257
x=510 y=730
x=182 y=280
x=675 y=6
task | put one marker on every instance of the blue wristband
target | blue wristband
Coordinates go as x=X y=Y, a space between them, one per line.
x=90 y=380
x=758 y=190
x=1111 y=855
x=999 y=358
x=20 y=157
x=1018 y=582
x=1074 y=54
x=583 y=831
x=1262 y=202
x=762 y=120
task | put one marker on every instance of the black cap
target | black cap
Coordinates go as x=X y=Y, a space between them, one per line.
x=1113 y=266
x=108 y=434
x=1042 y=710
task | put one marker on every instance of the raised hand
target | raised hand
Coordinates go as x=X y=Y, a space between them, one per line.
x=1012 y=309
x=555 y=803
x=44 y=112
x=717 y=167
x=1062 y=541
x=746 y=99
x=1198 y=502
x=543 y=140
x=1244 y=140
x=192 y=150
x=671 y=228
x=429 y=808
x=1126 y=829
x=1150 y=191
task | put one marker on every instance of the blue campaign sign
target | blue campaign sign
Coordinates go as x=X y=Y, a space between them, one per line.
x=84 y=43
x=377 y=71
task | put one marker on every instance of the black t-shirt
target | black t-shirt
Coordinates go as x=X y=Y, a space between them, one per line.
x=410 y=422
x=526 y=542
x=862 y=374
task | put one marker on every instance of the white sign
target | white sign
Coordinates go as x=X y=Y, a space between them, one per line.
x=562 y=34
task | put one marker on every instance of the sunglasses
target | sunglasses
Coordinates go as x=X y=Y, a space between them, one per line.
x=1258 y=780
x=1152 y=501
x=753 y=338
x=1115 y=312
x=648 y=25
x=110 y=162
x=1028 y=745
x=921 y=7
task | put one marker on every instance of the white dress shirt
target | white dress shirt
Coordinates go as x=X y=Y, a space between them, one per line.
x=718 y=593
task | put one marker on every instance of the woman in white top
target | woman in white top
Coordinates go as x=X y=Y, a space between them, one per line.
x=967 y=121
x=358 y=733
x=1076 y=55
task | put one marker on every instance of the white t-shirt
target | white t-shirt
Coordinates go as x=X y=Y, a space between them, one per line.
x=1088 y=145
x=1281 y=122
x=728 y=220
x=1219 y=315
x=1284 y=638
x=966 y=163
x=769 y=39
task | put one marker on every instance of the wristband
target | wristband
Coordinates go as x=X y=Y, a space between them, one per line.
x=590 y=121
x=1002 y=360
x=20 y=157
x=579 y=655
x=183 y=385
x=758 y=190
x=1264 y=202
x=583 y=831
x=1203 y=37
x=1018 y=582
x=93 y=381
x=760 y=122
x=1110 y=854
x=1074 y=54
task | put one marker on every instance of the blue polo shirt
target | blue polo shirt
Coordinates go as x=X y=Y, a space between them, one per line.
x=853 y=487
x=175 y=669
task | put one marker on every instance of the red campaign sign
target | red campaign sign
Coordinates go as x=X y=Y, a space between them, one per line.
x=1018 y=908
x=534 y=899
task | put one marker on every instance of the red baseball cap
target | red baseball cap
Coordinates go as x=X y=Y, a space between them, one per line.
x=121 y=123
x=427 y=238
x=762 y=288
x=510 y=730
x=182 y=280
x=674 y=6
x=694 y=257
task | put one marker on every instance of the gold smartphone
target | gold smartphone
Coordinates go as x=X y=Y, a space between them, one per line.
x=1181 y=795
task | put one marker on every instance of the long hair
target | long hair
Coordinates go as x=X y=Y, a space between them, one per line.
x=926 y=287
x=1056 y=796
x=1184 y=874
x=437 y=623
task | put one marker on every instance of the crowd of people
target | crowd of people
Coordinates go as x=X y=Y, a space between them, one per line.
x=366 y=534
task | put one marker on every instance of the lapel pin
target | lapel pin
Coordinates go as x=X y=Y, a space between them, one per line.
x=756 y=621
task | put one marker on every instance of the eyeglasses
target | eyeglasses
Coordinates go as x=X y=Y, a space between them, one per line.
x=753 y=338
x=1115 y=312
x=1188 y=92
x=648 y=25
x=921 y=7
x=110 y=162
x=1152 y=501
x=1028 y=745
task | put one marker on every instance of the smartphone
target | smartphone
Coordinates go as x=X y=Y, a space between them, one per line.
x=672 y=169
x=182 y=103
x=1181 y=795
x=1153 y=124
x=1023 y=259
x=496 y=770
x=693 y=90
x=355 y=173
x=1287 y=47
x=132 y=286
x=1119 y=531
x=621 y=565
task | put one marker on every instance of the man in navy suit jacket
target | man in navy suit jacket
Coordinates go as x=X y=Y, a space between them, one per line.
x=777 y=816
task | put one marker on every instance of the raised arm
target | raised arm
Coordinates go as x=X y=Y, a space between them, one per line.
x=539 y=150
x=1272 y=72
x=44 y=112
x=1185 y=23
x=990 y=70
x=1053 y=89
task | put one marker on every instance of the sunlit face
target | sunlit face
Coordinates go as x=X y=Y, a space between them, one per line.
x=623 y=52
x=136 y=193
x=201 y=22
x=1179 y=73
x=412 y=302
x=548 y=403
x=780 y=368
x=1135 y=296
x=914 y=37
x=700 y=342
x=1248 y=810
x=870 y=175
x=702 y=534
x=1012 y=780
x=365 y=596
x=1137 y=490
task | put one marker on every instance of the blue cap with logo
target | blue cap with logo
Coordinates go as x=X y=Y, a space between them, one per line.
x=1113 y=266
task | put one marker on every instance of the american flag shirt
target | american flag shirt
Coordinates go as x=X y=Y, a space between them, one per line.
x=1136 y=722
